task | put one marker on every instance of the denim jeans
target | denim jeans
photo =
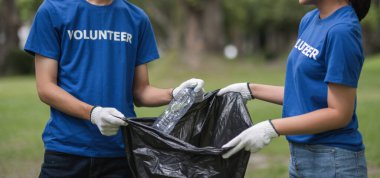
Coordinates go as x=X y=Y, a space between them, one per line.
x=58 y=164
x=324 y=161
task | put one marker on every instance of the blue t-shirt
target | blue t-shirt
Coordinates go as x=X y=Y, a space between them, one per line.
x=327 y=51
x=97 y=49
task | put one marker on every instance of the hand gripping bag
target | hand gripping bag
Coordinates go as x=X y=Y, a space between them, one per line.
x=193 y=148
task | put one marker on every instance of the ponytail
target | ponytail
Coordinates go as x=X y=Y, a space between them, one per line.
x=361 y=7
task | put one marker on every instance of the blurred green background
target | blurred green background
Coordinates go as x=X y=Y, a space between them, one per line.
x=262 y=32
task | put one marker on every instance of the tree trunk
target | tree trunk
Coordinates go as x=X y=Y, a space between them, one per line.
x=195 y=28
x=213 y=26
x=203 y=30
x=10 y=23
x=194 y=40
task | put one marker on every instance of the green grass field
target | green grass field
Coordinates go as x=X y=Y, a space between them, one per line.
x=23 y=116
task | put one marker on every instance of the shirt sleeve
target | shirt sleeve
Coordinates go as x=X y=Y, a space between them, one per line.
x=43 y=38
x=147 y=47
x=344 y=55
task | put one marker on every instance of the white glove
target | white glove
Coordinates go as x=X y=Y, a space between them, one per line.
x=196 y=84
x=242 y=88
x=253 y=139
x=108 y=120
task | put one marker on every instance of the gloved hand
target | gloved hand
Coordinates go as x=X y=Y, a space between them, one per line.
x=196 y=84
x=108 y=120
x=242 y=88
x=253 y=139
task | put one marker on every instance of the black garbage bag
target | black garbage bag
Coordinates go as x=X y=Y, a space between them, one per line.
x=193 y=148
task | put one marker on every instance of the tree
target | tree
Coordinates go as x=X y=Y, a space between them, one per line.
x=204 y=29
x=193 y=27
x=10 y=23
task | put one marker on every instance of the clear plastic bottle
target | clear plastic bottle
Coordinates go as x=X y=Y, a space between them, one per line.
x=175 y=111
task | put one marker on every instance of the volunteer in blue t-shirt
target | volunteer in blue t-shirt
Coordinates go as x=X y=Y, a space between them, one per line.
x=319 y=97
x=91 y=67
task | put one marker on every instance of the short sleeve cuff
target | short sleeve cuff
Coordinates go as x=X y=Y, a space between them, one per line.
x=348 y=83
x=44 y=53
x=147 y=59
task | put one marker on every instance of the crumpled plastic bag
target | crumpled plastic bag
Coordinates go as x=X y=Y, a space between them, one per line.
x=193 y=148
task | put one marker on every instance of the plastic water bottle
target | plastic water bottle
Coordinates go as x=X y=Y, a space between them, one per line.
x=175 y=111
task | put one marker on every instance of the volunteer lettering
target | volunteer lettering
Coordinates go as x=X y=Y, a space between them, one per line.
x=100 y=35
x=306 y=49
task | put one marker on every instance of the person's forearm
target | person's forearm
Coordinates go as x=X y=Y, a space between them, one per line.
x=269 y=93
x=312 y=123
x=58 y=98
x=151 y=96
x=338 y=114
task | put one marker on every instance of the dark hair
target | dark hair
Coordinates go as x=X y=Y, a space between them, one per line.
x=361 y=7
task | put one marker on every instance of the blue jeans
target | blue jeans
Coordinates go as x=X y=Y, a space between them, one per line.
x=57 y=164
x=324 y=161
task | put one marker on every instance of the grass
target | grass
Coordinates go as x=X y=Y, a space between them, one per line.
x=23 y=116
